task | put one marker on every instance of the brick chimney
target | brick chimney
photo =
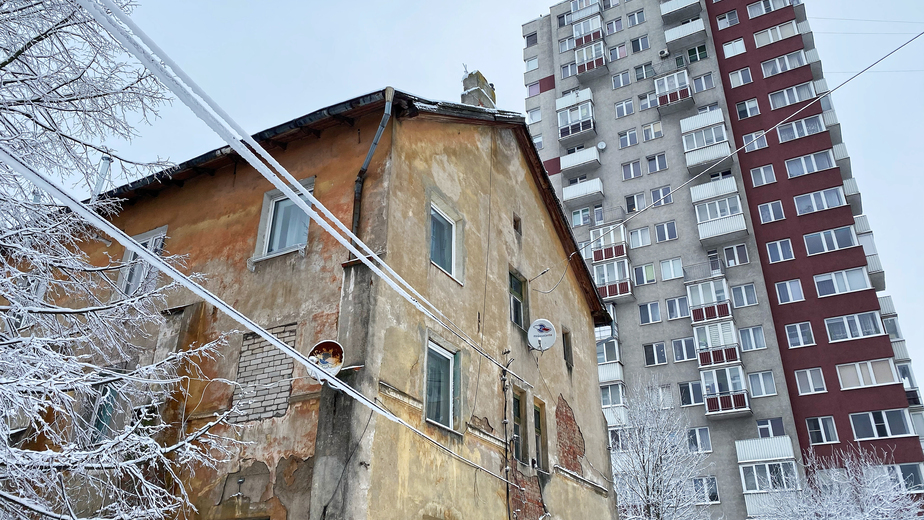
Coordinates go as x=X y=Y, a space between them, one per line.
x=477 y=91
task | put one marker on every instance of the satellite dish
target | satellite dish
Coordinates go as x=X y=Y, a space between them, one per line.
x=541 y=335
x=601 y=146
x=328 y=355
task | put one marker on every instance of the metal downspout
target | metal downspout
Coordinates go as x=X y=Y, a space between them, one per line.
x=361 y=177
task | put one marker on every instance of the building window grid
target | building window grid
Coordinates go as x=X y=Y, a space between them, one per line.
x=810 y=381
x=789 y=291
x=822 y=430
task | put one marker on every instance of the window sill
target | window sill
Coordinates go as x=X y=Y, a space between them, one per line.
x=803 y=346
x=450 y=275
x=889 y=437
x=813 y=393
x=824 y=443
x=444 y=428
x=855 y=339
x=301 y=249
x=872 y=386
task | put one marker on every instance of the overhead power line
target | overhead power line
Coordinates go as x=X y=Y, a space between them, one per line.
x=864 y=20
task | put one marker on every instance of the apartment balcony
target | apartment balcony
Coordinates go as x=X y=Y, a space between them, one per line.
x=702 y=158
x=852 y=193
x=710 y=311
x=914 y=397
x=722 y=355
x=620 y=290
x=861 y=224
x=615 y=415
x=762 y=504
x=900 y=350
x=722 y=230
x=580 y=161
x=686 y=35
x=591 y=69
x=609 y=252
x=886 y=307
x=727 y=405
x=575 y=98
x=577 y=132
x=832 y=125
x=842 y=159
x=701 y=272
x=581 y=193
x=764 y=449
x=821 y=86
x=876 y=273
x=585 y=12
x=710 y=118
x=799 y=8
x=675 y=100
x=808 y=39
x=587 y=39
x=814 y=61
x=610 y=372
x=711 y=190
x=676 y=10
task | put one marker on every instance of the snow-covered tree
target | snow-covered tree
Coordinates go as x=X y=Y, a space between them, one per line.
x=82 y=394
x=851 y=484
x=658 y=460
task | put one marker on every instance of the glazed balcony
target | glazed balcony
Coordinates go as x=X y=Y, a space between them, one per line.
x=722 y=355
x=620 y=290
x=726 y=405
x=914 y=397
x=676 y=10
x=580 y=161
x=577 y=132
x=720 y=230
x=591 y=69
x=609 y=252
x=574 y=98
x=585 y=192
x=585 y=12
x=686 y=35
x=674 y=92
x=852 y=193
x=703 y=271
x=711 y=311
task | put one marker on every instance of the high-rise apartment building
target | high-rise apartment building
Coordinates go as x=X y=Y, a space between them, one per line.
x=749 y=294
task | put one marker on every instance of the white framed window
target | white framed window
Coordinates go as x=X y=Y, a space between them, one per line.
x=892 y=329
x=589 y=53
x=733 y=48
x=717 y=209
x=652 y=131
x=775 y=34
x=684 y=350
x=706 y=490
x=752 y=338
x=619 y=52
x=747 y=109
x=880 y=424
x=666 y=231
x=566 y=44
x=518 y=309
x=867 y=373
x=744 y=295
x=736 y=255
x=587 y=26
x=533 y=116
x=907 y=477
x=640 y=44
x=707 y=293
x=810 y=381
x=771 y=212
x=800 y=334
x=699 y=440
x=613 y=395
x=769 y=476
x=820 y=200
x=661 y=196
x=704 y=82
x=780 y=251
x=631 y=170
x=801 y=128
x=691 y=393
x=283 y=225
x=677 y=308
x=781 y=64
x=665 y=397
x=728 y=19
x=621 y=79
x=789 y=291
x=568 y=70
x=853 y=326
x=607 y=351
x=655 y=354
x=580 y=217
x=611 y=272
x=762 y=384
x=135 y=271
x=821 y=430
x=740 y=77
x=704 y=137
x=624 y=108
x=772 y=427
x=657 y=162
x=564 y=19
x=721 y=380
x=671 y=269
x=830 y=240
x=639 y=238
x=635 y=202
x=840 y=282
x=531 y=39
x=649 y=313
x=698 y=53
x=598 y=214
x=646 y=70
x=628 y=138
x=614 y=26
x=635 y=18
x=576 y=114
x=532 y=89
x=441 y=387
x=649 y=100
x=766 y=6
x=762 y=175
x=532 y=64
x=810 y=163
x=754 y=141
x=791 y=95
x=537 y=141
x=643 y=274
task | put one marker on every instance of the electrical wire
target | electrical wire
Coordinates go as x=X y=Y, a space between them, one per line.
x=863 y=20
x=762 y=133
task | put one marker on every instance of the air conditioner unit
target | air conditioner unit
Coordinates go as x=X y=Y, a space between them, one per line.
x=664 y=53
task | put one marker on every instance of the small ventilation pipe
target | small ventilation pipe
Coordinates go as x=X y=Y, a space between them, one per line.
x=361 y=177
x=104 y=165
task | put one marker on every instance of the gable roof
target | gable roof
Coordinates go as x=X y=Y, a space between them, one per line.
x=405 y=105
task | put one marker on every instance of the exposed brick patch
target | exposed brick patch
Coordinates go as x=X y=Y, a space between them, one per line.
x=570 y=438
x=265 y=373
x=525 y=503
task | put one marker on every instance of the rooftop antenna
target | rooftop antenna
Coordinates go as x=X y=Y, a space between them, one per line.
x=104 y=165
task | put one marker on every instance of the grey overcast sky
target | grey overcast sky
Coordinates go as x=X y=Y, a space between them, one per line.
x=271 y=61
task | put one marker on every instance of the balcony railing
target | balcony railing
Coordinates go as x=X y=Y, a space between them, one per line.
x=732 y=225
x=711 y=190
x=861 y=224
x=900 y=350
x=608 y=372
x=886 y=306
x=876 y=273
x=710 y=118
x=675 y=10
x=589 y=38
x=852 y=193
x=700 y=159
x=685 y=35
x=585 y=12
x=609 y=252
x=581 y=160
x=587 y=125
x=586 y=191
x=914 y=397
x=615 y=415
x=574 y=98
x=617 y=289
x=710 y=311
x=703 y=271
x=728 y=403
x=764 y=448
x=721 y=355
x=592 y=67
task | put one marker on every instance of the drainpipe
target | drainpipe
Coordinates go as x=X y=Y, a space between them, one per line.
x=361 y=177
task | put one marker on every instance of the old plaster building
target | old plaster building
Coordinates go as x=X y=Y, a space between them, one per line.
x=456 y=201
x=746 y=282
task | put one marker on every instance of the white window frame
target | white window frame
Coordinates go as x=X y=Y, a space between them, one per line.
x=780 y=250
x=841 y=282
x=652 y=131
x=776 y=33
x=847 y=320
x=734 y=48
x=568 y=70
x=789 y=291
x=643 y=274
x=442 y=352
x=690 y=386
x=889 y=435
x=784 y=63
x=635 y=18
x=829 y=236
x=620 y=392
x=703 y=82
x=135 y=271
x=809 y=163
x=726 y=20
x=764 y=480
x=699 y=440
x=675 y=269
x=649 y=100
x=625 y=108
x=621 y=75
x=771 y=212
x=644 y=237
x=706 y=137
x=866 y=375
x=802 y=128
x=661 y=196
x=641 y=43
x=767 y=425
x=633 y=169
x=677 y=308
x=659 y=160
x=704 y=483
x=628 y=138
x=800 y=330
x=762 y=384
x=762 y=175
x=656 y=306
x=899 y=479
x=765 y=7
x=755 y=336
x=589 y=53
x=687 y=350
x=658 y=353
x=751 y=108
x=742 y=292
x=565 y=44
x=813 y=377
x=583 y=214
x=792 y=95
x=819 y=200
x=667 y=227
x=635 y=202
x=531 y=63
x=621 y=51
x=826 y=428
x=754 y=141
x=738 y=257
x=533 y=116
